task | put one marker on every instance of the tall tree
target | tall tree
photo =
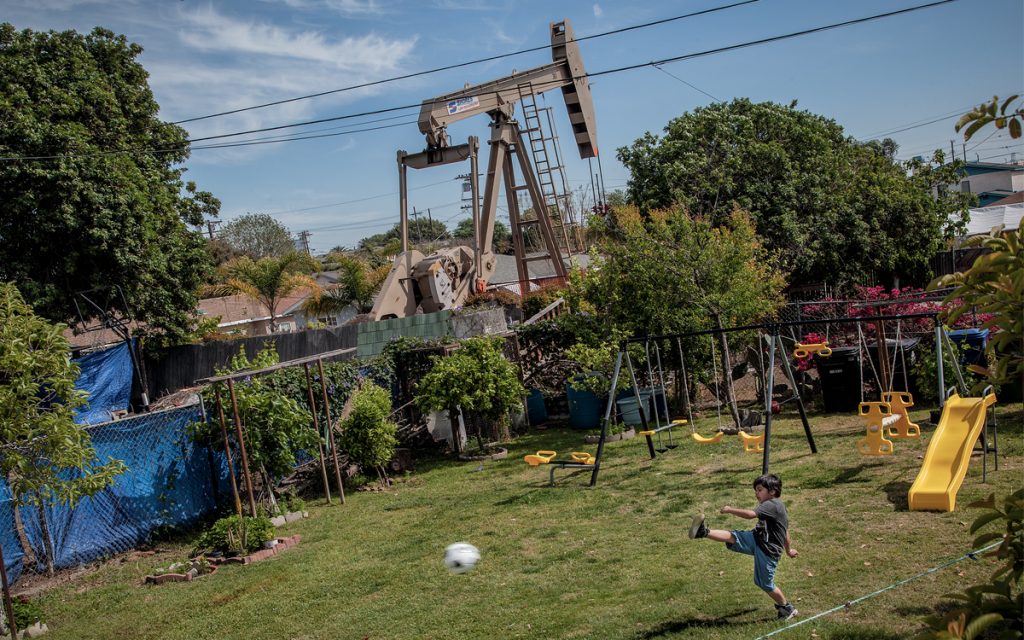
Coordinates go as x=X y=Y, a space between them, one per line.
x=358 y=283
x=422 y=230
x=669 y=272
x=47 y=458
x=267 y=280
x=257 y=235
x=94 y=196
x=833 y=209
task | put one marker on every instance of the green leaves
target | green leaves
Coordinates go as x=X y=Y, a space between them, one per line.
x=82 y=102
x=257 y=235
x=367 y=434
x=39 y=438
x=824 y=204
x=1003 y=116
x=994 y=284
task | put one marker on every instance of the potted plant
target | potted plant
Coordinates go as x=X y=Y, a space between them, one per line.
x=588 y=389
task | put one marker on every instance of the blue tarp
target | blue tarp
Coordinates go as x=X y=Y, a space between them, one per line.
x=107 y=377
x=170 y=481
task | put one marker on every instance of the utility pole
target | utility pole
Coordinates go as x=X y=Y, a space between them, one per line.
x=430 y=226
x=304 y=240
x=416 y=224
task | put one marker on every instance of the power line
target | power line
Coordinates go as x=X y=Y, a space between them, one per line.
x=694 y=87
x=464 y=64
x=656 y=63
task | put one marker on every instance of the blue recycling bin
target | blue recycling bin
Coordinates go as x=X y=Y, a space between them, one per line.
x=584 y=408
x=973 y=342
x=536 y=412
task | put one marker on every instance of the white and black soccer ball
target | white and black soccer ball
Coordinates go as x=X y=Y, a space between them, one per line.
x=461 y=557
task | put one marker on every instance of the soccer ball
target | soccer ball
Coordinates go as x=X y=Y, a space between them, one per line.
x=461 y=557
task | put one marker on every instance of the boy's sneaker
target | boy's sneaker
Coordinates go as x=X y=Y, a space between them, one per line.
x=697 y=528
x=786 y=611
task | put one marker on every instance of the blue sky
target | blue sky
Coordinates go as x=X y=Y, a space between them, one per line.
x=875 y=78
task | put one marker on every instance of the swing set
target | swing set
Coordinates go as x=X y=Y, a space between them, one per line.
x=658 y=427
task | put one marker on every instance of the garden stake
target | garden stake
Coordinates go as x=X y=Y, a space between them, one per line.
x=241 y=446
x=227 y=452
x=8 y=606
x=330 y=430
x=319 y=441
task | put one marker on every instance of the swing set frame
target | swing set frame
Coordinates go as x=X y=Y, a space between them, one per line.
x=774 y=337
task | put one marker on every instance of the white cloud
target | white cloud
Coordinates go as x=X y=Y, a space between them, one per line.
x=211 y=31
x=598 y=11
x=355 y=7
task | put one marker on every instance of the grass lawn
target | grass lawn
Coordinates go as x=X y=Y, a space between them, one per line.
x=574 y=562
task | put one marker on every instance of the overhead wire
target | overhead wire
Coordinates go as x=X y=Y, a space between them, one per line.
x=655 y=63
x=459 y=65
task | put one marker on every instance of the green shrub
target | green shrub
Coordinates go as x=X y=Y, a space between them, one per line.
x=26 y=613
x=367 y=434
x=234 y=533
x=535 y=301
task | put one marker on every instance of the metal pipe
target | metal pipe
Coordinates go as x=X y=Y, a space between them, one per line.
x=769 y=384
x=319 y=440
x=330 y=431
x=788 y=323
x=241 y=445
x=607 y=419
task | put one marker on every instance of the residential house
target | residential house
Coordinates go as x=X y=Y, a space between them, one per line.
x=992 y=181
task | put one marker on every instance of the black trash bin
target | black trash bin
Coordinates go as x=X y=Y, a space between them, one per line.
x=903 y=378
x=840 y=379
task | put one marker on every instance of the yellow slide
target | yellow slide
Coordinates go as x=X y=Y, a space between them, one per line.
x=949 y=452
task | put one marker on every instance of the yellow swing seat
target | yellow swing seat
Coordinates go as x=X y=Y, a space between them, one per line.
x=804 y=350
x=752 y=443
x=715 y=439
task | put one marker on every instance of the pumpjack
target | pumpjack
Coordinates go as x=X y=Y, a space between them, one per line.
x=444 y=279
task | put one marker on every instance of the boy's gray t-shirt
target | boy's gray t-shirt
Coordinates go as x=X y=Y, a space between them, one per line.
x=772 y=523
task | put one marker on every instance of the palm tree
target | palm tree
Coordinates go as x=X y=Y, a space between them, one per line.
x=358 y=285
x=268 y=280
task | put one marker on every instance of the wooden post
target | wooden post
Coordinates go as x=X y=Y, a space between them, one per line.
x=12 y=626
x=227 y=451
x=319 y=441
x=330 y=431
x=241 y=446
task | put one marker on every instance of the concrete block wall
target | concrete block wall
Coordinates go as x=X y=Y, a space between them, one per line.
x=374 y=336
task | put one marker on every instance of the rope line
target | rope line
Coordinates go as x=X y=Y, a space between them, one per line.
x=973 y=555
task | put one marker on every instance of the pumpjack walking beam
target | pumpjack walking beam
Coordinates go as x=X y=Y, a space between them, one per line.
x=444 y=280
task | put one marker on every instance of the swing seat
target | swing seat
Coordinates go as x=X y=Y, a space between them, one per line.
x=901 y=427
x=874 y=443
x=715 y=439
x=820 y=348
x=751 y=443
x=541 y=457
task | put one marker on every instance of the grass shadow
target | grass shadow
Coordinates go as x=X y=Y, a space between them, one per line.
x=896 y=492
x=676 y=626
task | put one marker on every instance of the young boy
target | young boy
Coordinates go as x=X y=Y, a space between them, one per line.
x=765 y=542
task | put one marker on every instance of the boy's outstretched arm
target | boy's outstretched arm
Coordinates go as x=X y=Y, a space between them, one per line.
x=742 y=513
x=790 y=551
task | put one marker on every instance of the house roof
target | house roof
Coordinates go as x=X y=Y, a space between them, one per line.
x=234 y=310
x=1013 y=198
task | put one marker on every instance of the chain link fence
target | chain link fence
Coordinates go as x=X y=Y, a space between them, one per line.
x=170 y=482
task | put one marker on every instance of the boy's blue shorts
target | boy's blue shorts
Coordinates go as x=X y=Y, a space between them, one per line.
x=764 y=564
